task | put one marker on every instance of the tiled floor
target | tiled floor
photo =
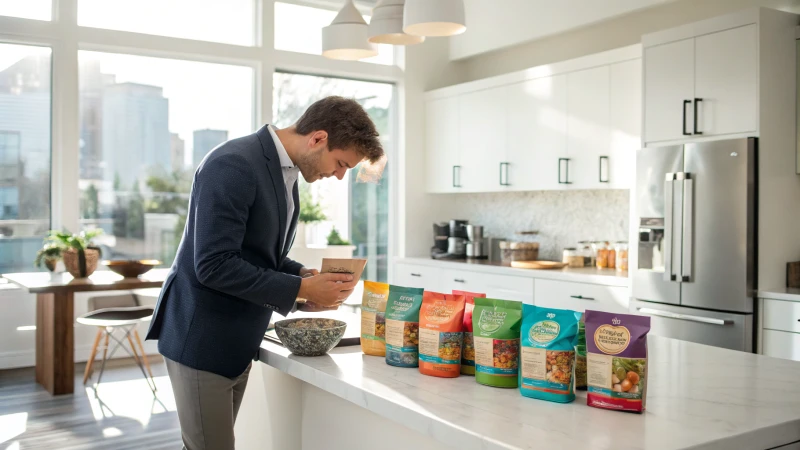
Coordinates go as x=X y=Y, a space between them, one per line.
x=124 y=415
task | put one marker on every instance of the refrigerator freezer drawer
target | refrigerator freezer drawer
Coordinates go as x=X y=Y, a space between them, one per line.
x=781 y=344
x=726 y=330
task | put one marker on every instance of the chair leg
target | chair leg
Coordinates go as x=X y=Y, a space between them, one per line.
x=90 y=362
x=105 y=349
x=144 y=355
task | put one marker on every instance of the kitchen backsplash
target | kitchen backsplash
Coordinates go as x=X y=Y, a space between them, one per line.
x=562 y=217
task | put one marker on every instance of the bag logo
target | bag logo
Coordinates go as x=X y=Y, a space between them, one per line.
x=544 y=331
x=491 y=321
x=440 y=311
x=612 y=340
x=374 y=299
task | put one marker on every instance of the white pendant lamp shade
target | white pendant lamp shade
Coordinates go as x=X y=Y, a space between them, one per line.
x=346 y=37
x=434 y=17
x=386 y=26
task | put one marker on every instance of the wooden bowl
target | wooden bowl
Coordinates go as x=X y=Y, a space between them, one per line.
x=131 y=268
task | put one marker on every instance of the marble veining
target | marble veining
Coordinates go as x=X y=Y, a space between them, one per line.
x=562 y=217
x=699 y=397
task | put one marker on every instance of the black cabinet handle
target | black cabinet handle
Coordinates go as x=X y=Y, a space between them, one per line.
x=504 y=165
x=696 y=102
x=415 y=275
x=456 y=184
x=603 y=159
x=580 y=297
x=565 y=160
x=685 y=133
x=458 y=280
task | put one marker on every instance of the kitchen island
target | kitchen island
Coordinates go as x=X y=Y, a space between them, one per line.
x=699 y=397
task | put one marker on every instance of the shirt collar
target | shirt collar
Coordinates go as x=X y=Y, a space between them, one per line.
x=282 y=155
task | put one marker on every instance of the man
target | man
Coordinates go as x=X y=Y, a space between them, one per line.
x=231 y=271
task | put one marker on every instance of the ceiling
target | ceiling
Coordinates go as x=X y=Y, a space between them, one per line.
x=494 y=24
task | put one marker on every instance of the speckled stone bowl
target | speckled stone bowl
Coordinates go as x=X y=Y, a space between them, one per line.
x=310 y=337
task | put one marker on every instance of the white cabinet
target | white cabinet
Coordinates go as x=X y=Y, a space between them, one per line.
x=780 y=344
x=441 y=144
x=587 y=127
x=462 y=281
x=504 y=287
x=726 y=81
x=625 y=124
x=417 y=276
x=780 y=334
x=580 y=296
x=483 y=133
x=537 y=132
x=668 y=90
x=702 y=86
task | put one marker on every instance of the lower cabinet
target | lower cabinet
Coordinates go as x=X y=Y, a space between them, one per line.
x=507 y=287
x=425 y=277
x=580 y=296
x=780 y=335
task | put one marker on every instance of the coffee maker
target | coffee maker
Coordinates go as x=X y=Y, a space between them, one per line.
x=450 y=240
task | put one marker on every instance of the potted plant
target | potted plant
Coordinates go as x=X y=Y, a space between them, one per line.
x=310 y=212
x=49 y=254
x=334 y=238
x=79 y=255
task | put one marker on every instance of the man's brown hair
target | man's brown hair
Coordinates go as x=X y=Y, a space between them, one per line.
x=346 y=123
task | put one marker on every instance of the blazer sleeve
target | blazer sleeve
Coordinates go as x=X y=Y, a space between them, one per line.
x=223 y=191
x=291 y=267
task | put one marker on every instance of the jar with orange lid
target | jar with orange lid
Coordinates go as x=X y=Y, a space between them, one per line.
x=601 y=252
x=621 y=248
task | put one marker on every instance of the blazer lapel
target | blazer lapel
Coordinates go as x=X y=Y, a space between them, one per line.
x=276 y=173
x=295 y=215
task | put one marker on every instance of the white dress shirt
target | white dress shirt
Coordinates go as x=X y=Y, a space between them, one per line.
x=290 y=174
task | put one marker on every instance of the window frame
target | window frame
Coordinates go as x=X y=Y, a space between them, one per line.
x=66 y=38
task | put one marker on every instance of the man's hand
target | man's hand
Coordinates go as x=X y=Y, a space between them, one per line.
x=327 y=289
x=308 y=272
x=314 y=307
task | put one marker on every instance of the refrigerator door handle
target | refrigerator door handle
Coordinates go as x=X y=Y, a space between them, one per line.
x=690 y=318
x=688 y=226
x=668 y=212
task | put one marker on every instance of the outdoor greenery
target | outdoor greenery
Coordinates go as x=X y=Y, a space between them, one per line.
x=49 y=250
x=310 y=210
x=335 y=239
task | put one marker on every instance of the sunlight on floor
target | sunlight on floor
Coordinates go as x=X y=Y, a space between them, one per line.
x=132 y=399
x=11 y=426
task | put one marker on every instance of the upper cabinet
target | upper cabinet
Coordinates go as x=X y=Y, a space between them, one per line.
x=570 y=125
x=701 y=86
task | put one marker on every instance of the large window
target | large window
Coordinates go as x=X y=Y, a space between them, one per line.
x=24 y=152
x=359 y=211
x=27 y=9
x=228 y=21
x=146 y=123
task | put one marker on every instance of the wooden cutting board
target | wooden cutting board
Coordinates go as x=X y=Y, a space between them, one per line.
x=537 y=265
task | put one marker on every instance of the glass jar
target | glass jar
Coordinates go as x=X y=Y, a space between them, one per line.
x=612 y=256
x=519 y=251
x=621 y=248
x=585 y=249
x=572 y=257
x=601 y=254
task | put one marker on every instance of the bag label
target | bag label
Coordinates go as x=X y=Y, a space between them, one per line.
x=611 y=339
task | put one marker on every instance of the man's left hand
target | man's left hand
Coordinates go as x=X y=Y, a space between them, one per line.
x=308 y=272
x=315 y=307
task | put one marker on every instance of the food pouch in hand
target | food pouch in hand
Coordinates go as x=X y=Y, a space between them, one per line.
x=495 y=329
x=441 y=319
x=402 y=326
x=373 y=321
x=548 y=353
x=468 y=351
x=616 y=360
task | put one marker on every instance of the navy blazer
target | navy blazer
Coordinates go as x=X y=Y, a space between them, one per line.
x=231 y=271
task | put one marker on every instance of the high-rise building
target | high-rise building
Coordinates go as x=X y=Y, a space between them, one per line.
x=92 y=83
x=136 y=136
x=205 y=141
x=177 y=151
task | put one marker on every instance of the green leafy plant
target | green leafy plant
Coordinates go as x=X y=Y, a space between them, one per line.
x=310 y=210
x=335 y=239
x=49 y=251
x=79 y=241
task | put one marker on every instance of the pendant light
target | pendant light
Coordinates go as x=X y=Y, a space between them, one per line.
x=346 y=37
x=386 y=26
x=434 y=17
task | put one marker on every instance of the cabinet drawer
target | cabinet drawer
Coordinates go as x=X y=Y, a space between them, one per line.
x=781 y=344
x=509 y=288
x=580 y=296
x=461 y=280
x=425 y=277
x=782 y=315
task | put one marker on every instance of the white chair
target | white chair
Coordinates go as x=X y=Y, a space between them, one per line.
x=116 y=317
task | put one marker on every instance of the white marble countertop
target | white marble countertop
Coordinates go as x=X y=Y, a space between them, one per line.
x=605 y=277
x=699 y=397
x=790 y=294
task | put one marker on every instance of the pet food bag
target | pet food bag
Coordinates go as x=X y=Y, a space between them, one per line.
x=548 y=353
x=580 y=356
x=616 y=357
x=468 y=352
x=441 y=319
x=495 y=330
x=373 y=321
x=402 y=326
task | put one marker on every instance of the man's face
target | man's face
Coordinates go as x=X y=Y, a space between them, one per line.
x=318 y=161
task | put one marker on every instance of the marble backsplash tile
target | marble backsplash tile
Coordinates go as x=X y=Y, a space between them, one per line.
x=562 y=217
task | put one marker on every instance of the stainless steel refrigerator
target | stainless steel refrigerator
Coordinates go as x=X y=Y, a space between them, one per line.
x=695 y=267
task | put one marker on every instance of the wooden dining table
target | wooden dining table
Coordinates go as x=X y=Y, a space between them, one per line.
x=55 y=317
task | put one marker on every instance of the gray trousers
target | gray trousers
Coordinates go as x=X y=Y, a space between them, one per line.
x=207 y=405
